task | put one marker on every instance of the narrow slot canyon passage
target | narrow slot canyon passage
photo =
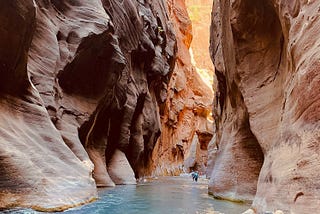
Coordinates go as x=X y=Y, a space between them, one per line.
x=126 y=96
x=187 y=123
x=159 y=106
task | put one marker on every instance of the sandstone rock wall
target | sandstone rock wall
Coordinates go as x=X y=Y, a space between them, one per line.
x=80 y=84
x=200 y=16
x=188 y=105
x=267 y=105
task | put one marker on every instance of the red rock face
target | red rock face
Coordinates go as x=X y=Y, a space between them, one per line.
x=80 y=84
x=267 y=106
x=188 y=104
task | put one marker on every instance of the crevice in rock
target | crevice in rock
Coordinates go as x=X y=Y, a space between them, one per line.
x=221 y=93
x=14 y=49
x=135 y=150
x=299 y=194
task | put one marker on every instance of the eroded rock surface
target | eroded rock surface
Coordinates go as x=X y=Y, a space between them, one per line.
x=188 y=104
x=79 y=81
x=267 y=105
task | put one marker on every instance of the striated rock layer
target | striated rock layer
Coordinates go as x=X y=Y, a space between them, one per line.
x=79 y=89
x=267 y=105
x=184 y=117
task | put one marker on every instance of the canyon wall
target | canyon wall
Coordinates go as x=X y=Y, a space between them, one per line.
x=80 y=86
x=186 y=128
x=200 y=16
x=267 y=103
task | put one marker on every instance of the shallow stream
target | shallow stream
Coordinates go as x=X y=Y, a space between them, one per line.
x=164 y=195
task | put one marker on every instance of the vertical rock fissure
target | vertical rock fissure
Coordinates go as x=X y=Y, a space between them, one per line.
x=136 y=145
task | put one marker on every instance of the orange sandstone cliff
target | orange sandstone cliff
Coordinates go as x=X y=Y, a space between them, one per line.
x=186 y=125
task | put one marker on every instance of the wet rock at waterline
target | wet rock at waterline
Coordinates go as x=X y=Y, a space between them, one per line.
x=267 y=103
x=79 y=81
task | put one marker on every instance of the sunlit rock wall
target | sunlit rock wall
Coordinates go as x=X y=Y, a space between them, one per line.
x=267 y=106
x=200 y=15
x=185 y=114
x=79 y=91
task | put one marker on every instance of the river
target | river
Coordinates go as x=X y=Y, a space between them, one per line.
x=164 y=195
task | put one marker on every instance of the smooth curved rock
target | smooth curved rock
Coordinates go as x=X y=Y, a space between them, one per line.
x=267 y=105
x=196 y=155
x=38 y=169
x=120 y=170
x=79 y=80
x=191 y=155
x=100 y=175
x=212 y=155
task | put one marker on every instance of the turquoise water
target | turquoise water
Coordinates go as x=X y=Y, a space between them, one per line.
x=177 y=195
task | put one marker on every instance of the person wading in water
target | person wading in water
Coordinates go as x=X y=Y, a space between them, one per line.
x=195 y=176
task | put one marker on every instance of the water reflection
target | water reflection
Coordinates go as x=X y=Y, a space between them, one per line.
x=178 y=195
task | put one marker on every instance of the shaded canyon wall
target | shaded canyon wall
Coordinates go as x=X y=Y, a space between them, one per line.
x=267 y=103
x=79 y=92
